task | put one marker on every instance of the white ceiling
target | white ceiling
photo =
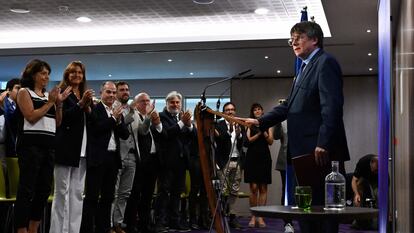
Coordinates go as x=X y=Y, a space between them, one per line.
x=241 y=42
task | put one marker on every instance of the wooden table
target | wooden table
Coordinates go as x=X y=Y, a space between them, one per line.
x=315 y=213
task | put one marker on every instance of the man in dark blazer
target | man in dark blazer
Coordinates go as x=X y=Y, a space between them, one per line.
x=106 y=126
x=174 y=158
x=314 y=110
x=230 y=138
x=149 y=135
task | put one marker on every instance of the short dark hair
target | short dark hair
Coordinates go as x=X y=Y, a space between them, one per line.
x=65 y=81
x=311 y=29
x=255 y=105
x=228 y=103
x=121 y=83
x=33 y=67
x=10 y=84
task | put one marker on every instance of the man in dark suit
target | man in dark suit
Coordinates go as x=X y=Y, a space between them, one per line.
x=314 y=110
x=103 y=161
x=174 y=158
x=149 y=135
x=229 y=153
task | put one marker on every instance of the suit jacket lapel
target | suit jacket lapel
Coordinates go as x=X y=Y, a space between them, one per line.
x=304 y=75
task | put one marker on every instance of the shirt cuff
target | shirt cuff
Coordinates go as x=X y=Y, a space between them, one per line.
x=180 y=124
x=159 y=127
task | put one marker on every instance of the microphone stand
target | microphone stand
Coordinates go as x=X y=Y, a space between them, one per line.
x=203 y=95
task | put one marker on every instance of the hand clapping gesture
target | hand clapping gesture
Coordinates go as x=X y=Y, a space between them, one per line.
x=117 y=112
x=186 y=118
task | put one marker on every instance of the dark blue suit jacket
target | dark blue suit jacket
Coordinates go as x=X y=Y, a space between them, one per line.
x=314 y=110
x=176 y=141
x=69 y=134
x=99 y=134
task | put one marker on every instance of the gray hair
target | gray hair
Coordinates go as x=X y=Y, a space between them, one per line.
x=172 y=95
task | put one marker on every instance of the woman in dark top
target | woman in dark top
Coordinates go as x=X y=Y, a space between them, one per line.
x=38 y=115
x=258 y=165
x=70 y=162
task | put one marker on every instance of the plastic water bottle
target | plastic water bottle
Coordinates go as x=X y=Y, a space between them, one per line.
x=335 y=189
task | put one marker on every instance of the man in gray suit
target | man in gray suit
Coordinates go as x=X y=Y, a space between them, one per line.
x=129 y=155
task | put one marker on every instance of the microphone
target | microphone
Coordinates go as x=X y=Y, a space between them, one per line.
x=231 y=84
x=203 y=95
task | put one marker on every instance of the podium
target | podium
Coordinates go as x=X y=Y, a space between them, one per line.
x=205 y=127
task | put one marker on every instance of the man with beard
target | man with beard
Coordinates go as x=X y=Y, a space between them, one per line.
x=174 y=157
x=129 y=156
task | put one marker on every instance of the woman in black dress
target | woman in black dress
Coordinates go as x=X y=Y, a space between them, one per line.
x=258 y=164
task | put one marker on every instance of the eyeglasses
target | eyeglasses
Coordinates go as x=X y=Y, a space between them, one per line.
x=297 y=38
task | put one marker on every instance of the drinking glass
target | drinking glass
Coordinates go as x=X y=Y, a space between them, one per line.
x=303 y=197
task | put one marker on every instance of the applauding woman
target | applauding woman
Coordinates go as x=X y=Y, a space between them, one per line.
x=38 y=114
x=258 y=166
x=70 y=158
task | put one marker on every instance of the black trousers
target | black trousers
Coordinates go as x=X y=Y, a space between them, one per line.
x=99 y=195
x=171 y=185
x=198 y=195
x=140 y=201
x=35 y=183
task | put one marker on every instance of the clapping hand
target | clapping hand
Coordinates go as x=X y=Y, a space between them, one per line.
x=86 y=100
x=186 y=118
x=155 y=118
x=62 y=96
x=150 y=108
x=117 y=112
x=53 y=95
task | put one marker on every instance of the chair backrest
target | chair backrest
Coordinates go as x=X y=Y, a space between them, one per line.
x=2 y=182
x=13 y=174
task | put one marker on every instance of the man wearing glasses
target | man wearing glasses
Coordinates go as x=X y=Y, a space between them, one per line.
x=314 y=112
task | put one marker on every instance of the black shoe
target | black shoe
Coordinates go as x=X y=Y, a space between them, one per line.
x=160 y=229
x=194 y=226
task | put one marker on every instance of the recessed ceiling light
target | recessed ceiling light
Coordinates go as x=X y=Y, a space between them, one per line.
x=84 y=19
x=203 y=2
x=278 y=71
x=191 y=73
x=19 y=10
x=261 y=11
x=169 y=60
x=266 y=57
x=370 y=69
x=63 y=8
x=368 y=30
x=109 y=75
x=369 y=54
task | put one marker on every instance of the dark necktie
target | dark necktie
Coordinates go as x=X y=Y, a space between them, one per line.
x=299 y=76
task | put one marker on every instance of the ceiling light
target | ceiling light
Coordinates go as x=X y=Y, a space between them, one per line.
x=370 y=69
x=109 y=75
x=19 y=10
x=368 y=30
x=84 y=19
x=278 y=71
x=203 y=2
x=266 y=57
x=63 y=8
x=261 y=11
x=169 y=60
x=191 y=73
x=369 y=54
